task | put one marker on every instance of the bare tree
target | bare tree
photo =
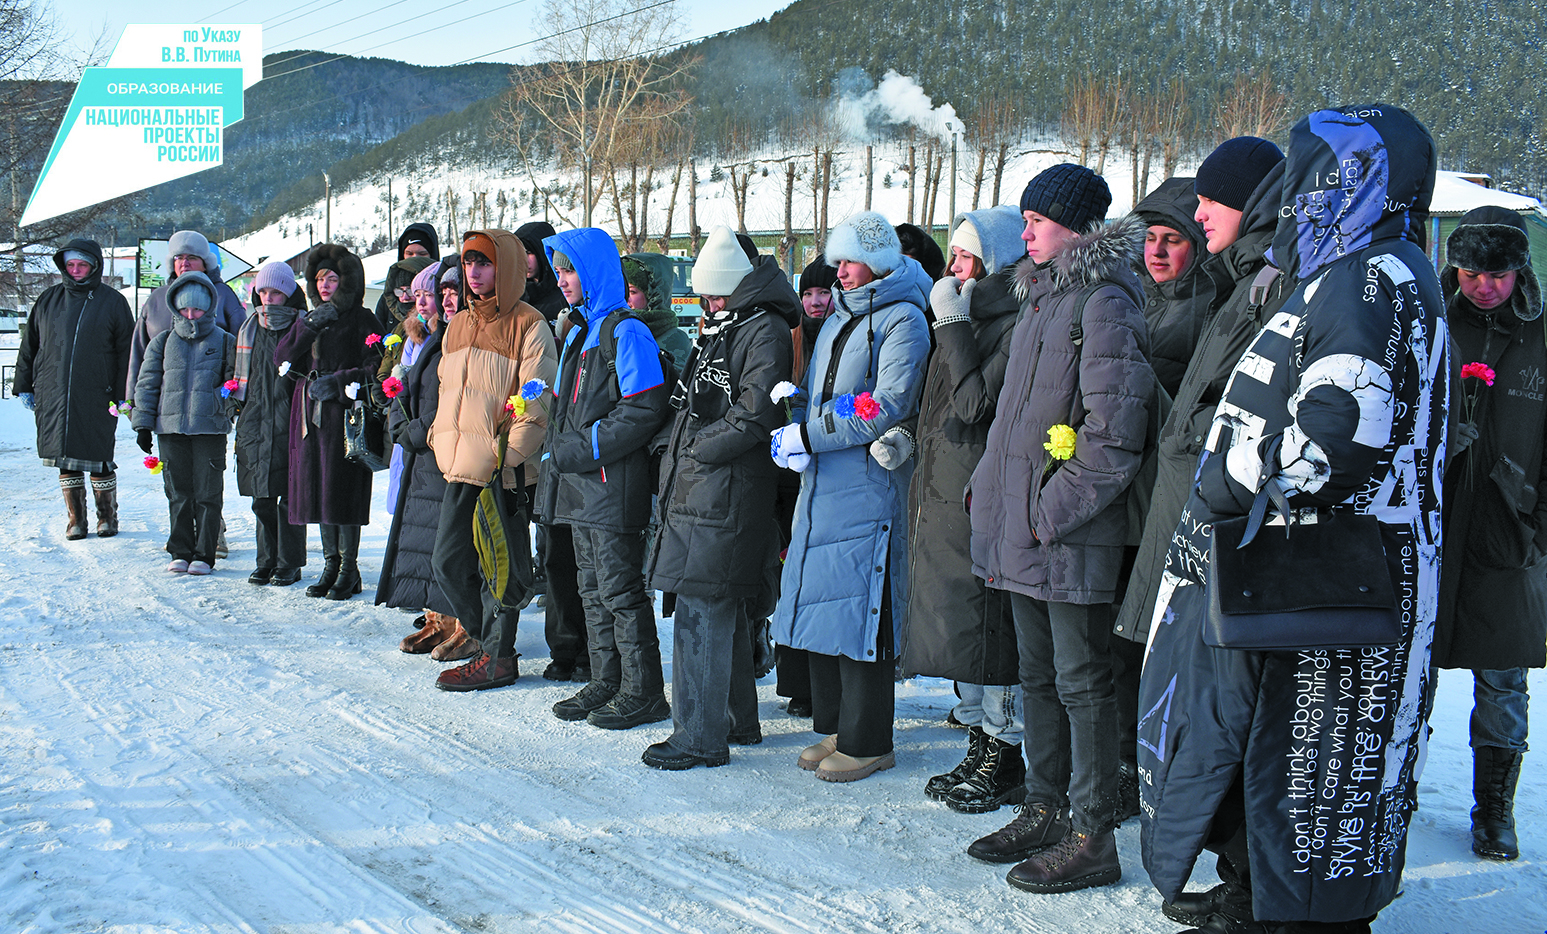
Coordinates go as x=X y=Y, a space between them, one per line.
x=605 y=76
x=1255 y=106
x=1168 y=119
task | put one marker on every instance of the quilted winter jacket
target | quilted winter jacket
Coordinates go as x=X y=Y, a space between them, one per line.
x=487 y=354
x=1054 y=530
x=184 y=368
x=1176 y=311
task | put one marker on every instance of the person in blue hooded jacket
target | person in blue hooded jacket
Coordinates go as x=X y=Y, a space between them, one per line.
x=1298 y=768
x=844 y=595
x=597 y=477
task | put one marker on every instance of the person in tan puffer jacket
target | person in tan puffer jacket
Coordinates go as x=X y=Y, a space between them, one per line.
x=488 y=353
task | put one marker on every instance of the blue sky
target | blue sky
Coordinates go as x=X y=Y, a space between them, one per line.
x=399 y=30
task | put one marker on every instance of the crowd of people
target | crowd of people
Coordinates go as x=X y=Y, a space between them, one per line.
x=1122 y=480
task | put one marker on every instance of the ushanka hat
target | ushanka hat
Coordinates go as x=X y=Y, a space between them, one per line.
x=1489 y=239
x=866 y=238
x=1069 y=195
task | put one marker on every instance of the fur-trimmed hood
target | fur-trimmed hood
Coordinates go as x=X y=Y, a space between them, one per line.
x=351 y=275
x=1109 y=251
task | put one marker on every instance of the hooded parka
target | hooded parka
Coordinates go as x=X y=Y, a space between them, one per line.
x=1176 y=311
x=156 y=315
x=179 y=392
x=1240 y=316
x=957 y=628
x=74 y=361
x=1054 y=530
x=718 y=484
x=389 y=312
x=325 y=486
x=661 y=316
x=848 y=555
x=542 y=289
x=1493 y=585
x=597 y=470
x=1343 y=396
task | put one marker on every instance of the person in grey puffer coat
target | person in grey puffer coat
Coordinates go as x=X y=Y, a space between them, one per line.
x=844 y=596
x=1049 y=517
x=958 y=628
x=179 y=398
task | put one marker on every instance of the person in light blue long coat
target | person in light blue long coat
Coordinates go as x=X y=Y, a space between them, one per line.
x=844 y=592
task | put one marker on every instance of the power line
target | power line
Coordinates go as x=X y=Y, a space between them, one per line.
x=362 y=16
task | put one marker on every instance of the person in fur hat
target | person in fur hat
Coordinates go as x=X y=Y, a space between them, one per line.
x=262 y=401
x=187 y=251
x=1493 y=595
x=179 y=398
x=843 y=597
x=331 y=359
x=1049 y=517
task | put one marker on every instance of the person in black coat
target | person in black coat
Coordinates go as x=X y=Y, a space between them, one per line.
x=717 y=526
x=71 y=369
x=1493 y=593
x=1177 y=291
x=262 y=403
x=417 y=239
x=542 y=286
x=328 y=355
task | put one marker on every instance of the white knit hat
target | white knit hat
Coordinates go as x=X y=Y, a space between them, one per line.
x=867 y=238
x=965 y=237
x=721 y=264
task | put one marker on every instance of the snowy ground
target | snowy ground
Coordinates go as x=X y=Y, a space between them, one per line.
x=191 y=755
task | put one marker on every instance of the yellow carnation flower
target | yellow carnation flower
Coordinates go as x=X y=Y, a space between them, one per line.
x=1060 y=442
x=515 y=405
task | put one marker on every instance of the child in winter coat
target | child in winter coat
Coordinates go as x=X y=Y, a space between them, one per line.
x=178 y=397
x=597 y=478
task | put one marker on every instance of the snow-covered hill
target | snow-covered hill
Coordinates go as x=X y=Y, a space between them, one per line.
x=202 y=756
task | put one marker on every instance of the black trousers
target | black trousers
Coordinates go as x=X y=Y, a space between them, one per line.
x=855 y=700
x=625 y=647
x=194 y=474
x=564 y=619
x=280 y=544
x=455 y=562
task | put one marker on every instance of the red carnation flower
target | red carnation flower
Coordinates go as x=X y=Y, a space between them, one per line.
x=1480 y=371
x=392 y=386
x=866 y=407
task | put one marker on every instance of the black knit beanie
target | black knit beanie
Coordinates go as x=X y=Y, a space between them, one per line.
x=1070 y=195
x=1233 y=171
x=818 y=275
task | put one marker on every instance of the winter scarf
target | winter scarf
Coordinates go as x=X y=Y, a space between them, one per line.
x=269 y=317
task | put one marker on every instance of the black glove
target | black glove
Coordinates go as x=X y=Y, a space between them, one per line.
x=233 y=408
x=326 y=388
x=322 y=316
x=1462 y=438
x=142 y=438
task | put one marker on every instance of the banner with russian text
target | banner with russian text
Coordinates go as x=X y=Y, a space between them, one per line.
x=156 y=112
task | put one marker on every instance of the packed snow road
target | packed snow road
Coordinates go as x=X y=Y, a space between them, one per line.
x=201 y=755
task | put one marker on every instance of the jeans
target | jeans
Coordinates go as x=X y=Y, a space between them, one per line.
x=1071 y=709
x=1499 y=706
x=997 y=708
x=713 y=691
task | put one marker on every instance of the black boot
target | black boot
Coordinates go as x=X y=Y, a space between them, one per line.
x=1495 y=771
x=330 y=566
x=941 y=785
x=348 y=582
x=73 y=484
x=1000 y=778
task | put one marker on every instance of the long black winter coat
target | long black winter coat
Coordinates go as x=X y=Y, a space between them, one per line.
x=74 y=361
x=957 y=628
x=1182 y=437
x=718 y=484
x=407 y=576
x=326 y=486
x=1493 y=583
x=1179 y=310
x=263 y=427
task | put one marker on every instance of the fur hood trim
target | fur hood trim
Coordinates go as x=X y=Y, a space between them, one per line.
x=351 y=275
x=1089 y=258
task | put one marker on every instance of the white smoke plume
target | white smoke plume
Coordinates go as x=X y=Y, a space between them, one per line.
x=865 y=110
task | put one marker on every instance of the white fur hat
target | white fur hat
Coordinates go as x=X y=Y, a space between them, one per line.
x=867 y=238
x=721 y=264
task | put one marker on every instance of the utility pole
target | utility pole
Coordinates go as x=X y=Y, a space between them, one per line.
x=327 y=195
x=870 y=173
x=693 y=205
x=953 y=184
x=390 y=228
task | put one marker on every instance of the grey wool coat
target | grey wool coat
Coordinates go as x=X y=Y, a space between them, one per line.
x=178 y=392
x=1049 y=529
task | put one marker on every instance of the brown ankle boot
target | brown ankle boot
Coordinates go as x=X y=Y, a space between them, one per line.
x=74 y=487
x=105 y=490
x=436 y=628
x=458 y=645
